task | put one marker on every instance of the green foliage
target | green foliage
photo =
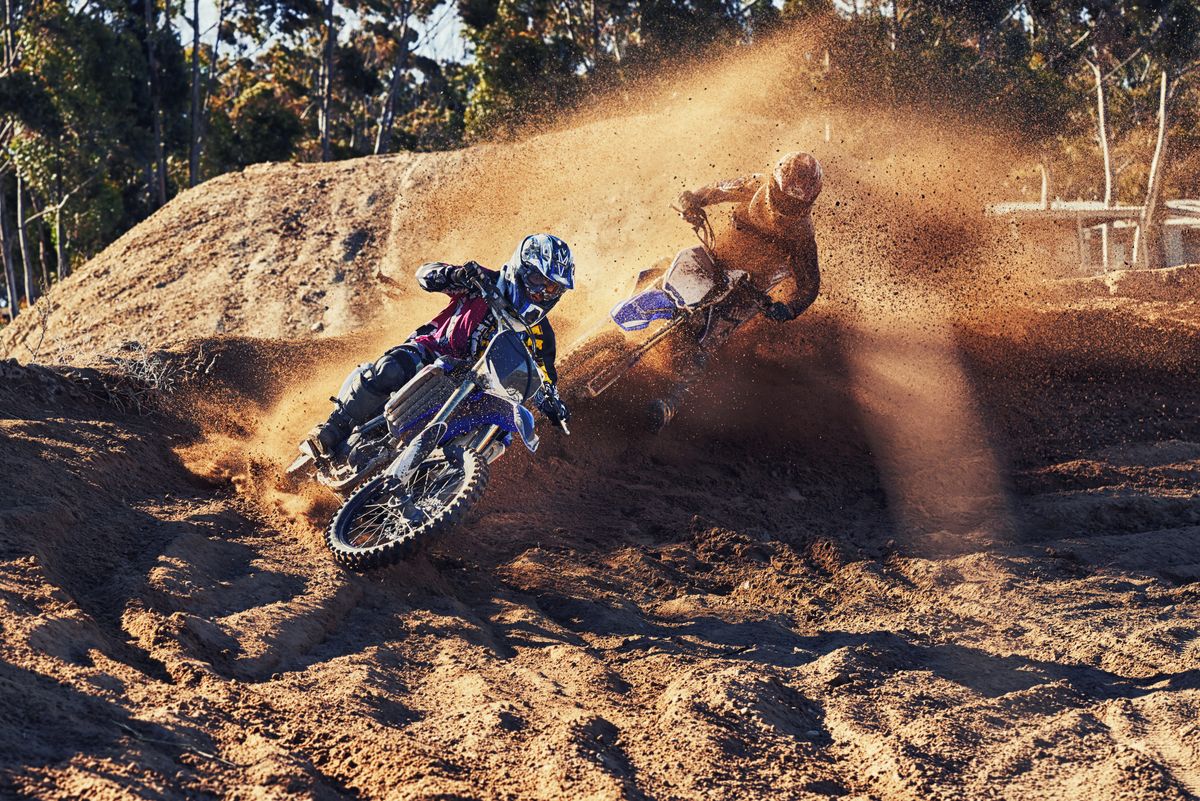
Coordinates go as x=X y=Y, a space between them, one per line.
x=93 y=126
x=535 y=58
x=91 y=110
x=259 y=128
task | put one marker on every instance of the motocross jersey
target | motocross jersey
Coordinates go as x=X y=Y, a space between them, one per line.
x=767 y=243
x=465 y=327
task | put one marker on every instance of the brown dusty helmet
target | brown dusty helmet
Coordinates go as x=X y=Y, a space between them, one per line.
x=798 y=175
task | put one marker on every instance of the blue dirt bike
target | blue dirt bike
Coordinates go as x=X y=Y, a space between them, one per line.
x=686 y=293
x=418 y=468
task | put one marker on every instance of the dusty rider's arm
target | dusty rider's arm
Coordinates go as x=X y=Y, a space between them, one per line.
x=805 y=269
x=737 y=190
x=438 y=276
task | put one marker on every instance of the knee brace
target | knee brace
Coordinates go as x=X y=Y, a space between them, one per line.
x=372 y=385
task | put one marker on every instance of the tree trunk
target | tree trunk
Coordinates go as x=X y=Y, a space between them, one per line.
x=31 y=287
x=42 y=232
x=211 y=78
x=9 y=33
x=159 y=174
x=194 y=153
x=6 y=253
x=595 y=37
x=1102 y=121
x=327 y=83
x=60 y=245
x=1151 y=239
x=60 y=248
x=42 y=260
x=383 y=139
x=895 y=25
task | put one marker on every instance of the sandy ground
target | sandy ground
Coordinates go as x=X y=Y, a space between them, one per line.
x=730 y=610
x=937 y=539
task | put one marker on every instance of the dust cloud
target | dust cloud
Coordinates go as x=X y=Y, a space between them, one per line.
x=900 y=226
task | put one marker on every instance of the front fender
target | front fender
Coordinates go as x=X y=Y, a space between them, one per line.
x=637 y=312
x=488 y=410
x=524 y=425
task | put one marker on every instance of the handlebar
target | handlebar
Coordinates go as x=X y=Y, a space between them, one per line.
x=499 y=305
x=700 y=225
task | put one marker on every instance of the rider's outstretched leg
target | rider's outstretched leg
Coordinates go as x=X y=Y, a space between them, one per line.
x=664 y=409
x=366 y=396
x=722 y=320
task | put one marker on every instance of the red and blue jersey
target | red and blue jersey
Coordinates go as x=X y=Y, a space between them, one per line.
x=465 y=327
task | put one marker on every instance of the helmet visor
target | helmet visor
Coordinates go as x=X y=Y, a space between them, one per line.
x=540 y=288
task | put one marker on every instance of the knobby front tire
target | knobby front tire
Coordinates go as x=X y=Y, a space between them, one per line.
x=382 y=522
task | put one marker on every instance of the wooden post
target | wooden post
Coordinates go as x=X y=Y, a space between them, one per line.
x=1102 y=120
x=1150 y=226
x=1085 y=253
x=1044 y=166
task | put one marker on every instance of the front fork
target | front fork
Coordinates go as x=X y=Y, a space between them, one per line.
x=487 y=443
x=424 y=443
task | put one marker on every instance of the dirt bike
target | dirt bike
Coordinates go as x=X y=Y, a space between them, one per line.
x=690 y=289
x=419 y=467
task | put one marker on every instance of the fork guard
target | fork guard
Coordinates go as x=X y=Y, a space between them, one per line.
x=416 y=452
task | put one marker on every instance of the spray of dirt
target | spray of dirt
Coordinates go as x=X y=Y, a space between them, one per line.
x=904 y=245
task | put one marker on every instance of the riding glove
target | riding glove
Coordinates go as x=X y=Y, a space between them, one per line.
x=780 y=312
x=467 y=275
x=551 y=405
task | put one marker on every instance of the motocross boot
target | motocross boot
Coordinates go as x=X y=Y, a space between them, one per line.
x=325 y=438
x=359 y=404
x=662 y=411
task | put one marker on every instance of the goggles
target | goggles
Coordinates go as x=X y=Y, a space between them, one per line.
x=540 y=288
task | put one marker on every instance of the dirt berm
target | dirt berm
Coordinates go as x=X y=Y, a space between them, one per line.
x=934 y=540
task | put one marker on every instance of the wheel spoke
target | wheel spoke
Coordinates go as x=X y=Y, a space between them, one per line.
x=392 y=513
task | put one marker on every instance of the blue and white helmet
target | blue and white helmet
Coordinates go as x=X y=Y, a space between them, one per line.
x=534 y=279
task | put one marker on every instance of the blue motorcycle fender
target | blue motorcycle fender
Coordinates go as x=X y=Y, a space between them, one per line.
x=490 y=410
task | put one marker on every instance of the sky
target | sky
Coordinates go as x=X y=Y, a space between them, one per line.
x=442 y=41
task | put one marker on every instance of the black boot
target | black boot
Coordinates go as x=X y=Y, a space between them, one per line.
x=326 y=438
x=369 y=390
x=662 y=411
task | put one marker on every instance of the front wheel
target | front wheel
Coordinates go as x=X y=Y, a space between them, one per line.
x=384 y=521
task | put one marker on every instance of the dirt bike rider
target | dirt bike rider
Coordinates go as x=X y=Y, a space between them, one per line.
x=532 y=281
x=770 y=236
